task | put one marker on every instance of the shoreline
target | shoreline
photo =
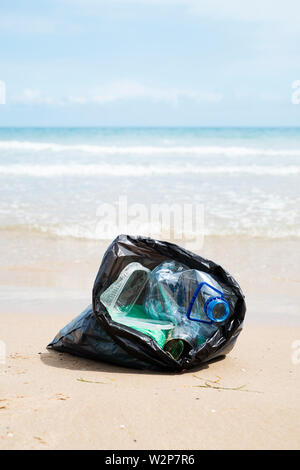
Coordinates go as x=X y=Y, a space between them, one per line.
x=42 y=271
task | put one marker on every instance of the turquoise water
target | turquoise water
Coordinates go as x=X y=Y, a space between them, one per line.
x=53 y=180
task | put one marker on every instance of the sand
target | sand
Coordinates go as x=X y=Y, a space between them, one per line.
x=40 y=267
x=249 y=400
x=49 y=400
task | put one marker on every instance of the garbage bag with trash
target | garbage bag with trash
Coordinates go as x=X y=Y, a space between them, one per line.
x=156 y=306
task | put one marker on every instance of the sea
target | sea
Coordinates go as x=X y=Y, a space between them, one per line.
x=53 y=180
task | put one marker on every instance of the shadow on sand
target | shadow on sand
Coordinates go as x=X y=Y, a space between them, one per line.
x=67 y=361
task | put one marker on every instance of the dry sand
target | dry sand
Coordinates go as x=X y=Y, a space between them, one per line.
x=48 y=400
x=55 y=401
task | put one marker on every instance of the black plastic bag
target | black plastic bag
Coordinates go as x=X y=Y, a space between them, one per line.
x=93 y=334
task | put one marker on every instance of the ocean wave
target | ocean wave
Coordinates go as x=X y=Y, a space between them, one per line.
x=94 y=231
x=78 y=170
x=17 y=145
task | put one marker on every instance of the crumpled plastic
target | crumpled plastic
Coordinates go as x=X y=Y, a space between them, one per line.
x=93 y=334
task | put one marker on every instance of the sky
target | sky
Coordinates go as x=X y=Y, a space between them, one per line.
x=149 y=62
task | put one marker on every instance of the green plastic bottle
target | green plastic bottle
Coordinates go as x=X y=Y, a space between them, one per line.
x=138 y=320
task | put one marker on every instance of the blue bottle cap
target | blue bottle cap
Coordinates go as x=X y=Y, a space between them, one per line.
x=217 y=309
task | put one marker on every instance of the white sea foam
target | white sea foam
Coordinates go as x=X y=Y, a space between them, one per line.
x=93 y=231
x=79 y=170
x=75 y=231
x=17 y=145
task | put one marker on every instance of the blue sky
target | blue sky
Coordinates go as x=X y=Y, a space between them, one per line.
x=149 y=62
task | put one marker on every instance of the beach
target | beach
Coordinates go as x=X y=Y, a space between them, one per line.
x=250 y=400
x=149 y=218
x=51 y=246
x=49 y=400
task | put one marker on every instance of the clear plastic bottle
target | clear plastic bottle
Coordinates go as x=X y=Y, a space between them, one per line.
x=202 y=297
x=120 y=299
x=191 y=299
x=123 y=293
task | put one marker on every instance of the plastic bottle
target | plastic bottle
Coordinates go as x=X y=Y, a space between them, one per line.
x=191 y=299
x=123 y=293
x=120 y=300
x=203 y=297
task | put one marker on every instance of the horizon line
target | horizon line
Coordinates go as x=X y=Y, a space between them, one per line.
x=149 y=127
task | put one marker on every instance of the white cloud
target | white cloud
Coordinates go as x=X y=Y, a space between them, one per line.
x=32 y=97
x=27 y=24
x=256 y=10
x=123 y=90
x=134 y=90
x=37 y=24
x=252 y=95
